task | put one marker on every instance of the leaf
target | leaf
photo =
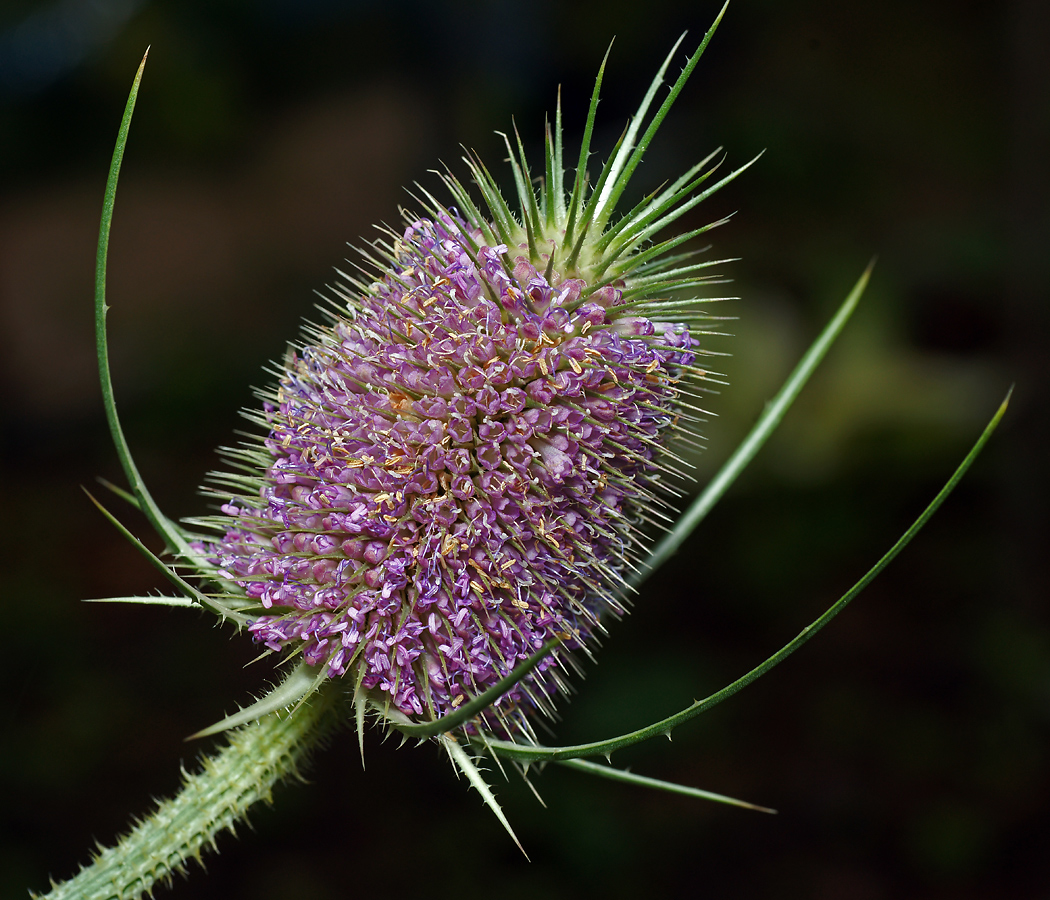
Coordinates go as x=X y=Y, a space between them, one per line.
x=603 y=771
x=294 y=688
x=167 y=529
x=208 y=602
x=758 y=435
x=466 y=765
x=580 y=181
x=120 y=492
x=615 y=166
x=149 y=601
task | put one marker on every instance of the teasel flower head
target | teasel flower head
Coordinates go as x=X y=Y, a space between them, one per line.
x=456 y=481
x=465 y=462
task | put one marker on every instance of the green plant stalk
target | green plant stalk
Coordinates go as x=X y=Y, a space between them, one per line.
x=210 y=801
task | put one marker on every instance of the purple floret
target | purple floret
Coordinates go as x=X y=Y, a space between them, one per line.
x=457 y=465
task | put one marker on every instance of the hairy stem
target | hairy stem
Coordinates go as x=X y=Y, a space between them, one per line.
x=212 y=800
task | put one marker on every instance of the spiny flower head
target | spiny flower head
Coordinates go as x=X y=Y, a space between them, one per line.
x=460 y=466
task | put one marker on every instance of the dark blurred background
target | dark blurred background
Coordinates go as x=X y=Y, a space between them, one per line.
x=906 y=747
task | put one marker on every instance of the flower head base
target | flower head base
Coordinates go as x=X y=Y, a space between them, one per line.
x=458 y=467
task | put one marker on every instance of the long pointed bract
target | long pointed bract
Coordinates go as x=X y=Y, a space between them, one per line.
x=296 y=685
x=620 y=158
x=771 y=417
x=467 y=766
x=624 y=176
x=163 y=526
x=603 y=771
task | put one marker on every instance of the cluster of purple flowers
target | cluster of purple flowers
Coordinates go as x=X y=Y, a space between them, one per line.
x=458 y=463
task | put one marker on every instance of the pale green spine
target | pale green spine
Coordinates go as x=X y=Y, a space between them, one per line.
x=210 y=801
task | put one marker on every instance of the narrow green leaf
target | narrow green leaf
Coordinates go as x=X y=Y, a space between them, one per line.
x=642 y=282
x=294 y=688
x=603 y=771
x=148 y=601
x=657 y=266
x=559 y=165
x=657 y=307
x=766 y=425
x=360 y=708
x=574 y=253
x=587 y=215
x=641 y=231
x=466 y=765
x=549 y=185
x=603 y=209
x=240 y=619
x=501 y=213
x=124 y=495
x=664 y=197
x=467 y=207
x=624 y=267
x=524 y=190
x=167 y=529
x=579 y=184
x=665 y=287
x=529 y=209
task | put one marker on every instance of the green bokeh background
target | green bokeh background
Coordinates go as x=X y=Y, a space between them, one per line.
x=906 y=748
